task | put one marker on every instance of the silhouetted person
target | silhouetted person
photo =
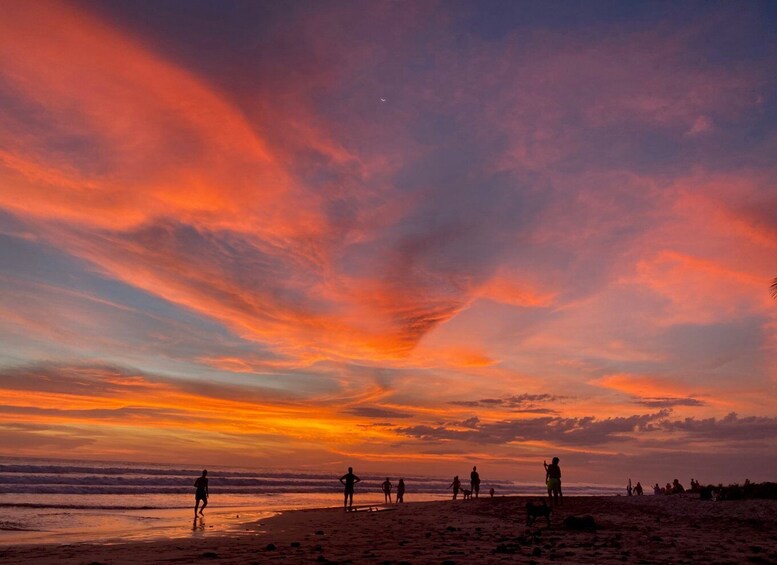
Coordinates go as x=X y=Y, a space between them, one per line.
x=455 y=485
x=656 y=489
x=401 y=491
x=349 y=480
x=553 y=481
x=629 y=489
x=474 y=481
x=201 y=484
x=638 y=489
x=387 y=490
x=491 y=492
x=677 y=488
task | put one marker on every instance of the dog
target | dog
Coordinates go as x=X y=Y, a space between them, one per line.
x=466 y=493
x=534 y=511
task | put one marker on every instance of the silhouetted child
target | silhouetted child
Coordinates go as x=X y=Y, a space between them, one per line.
x=401 y=491
x=387 y=491
x=455 y=485
x=638 y=489
x=201 y=484
x=349 y=480
x=491 y=492
x=474 y=481
x=553 y=481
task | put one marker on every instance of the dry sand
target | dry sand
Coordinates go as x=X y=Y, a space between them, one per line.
x=647 y=529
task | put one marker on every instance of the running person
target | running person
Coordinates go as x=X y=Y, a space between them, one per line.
x=201 y=484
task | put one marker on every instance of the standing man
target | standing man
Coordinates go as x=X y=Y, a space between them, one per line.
x=349 y=480
x=474 y=481
x=201 y=484
x=387 y=486
x=553 y=481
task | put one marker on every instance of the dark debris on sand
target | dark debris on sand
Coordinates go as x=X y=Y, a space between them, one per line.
x=644 y=529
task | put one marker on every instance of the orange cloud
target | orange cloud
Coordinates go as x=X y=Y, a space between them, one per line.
x=170 y=155
x=506 y=291
x=169 y=140
x=113 y=399
x=638 y=385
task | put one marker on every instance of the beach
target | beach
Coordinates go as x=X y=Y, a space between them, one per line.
x=67 y=502
x=645 y=529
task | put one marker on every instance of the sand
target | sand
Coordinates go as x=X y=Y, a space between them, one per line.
x=647 y=529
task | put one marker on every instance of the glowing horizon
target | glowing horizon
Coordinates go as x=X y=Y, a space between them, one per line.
x=393 y=236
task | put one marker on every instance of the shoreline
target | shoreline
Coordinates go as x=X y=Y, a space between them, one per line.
x=647 y=529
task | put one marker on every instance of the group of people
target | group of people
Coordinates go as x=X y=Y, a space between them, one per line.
x=387 y=487
x=672 y=488
x=635 y=491
x=552 y=481
x=675 y=487
x=349 y=480
x=474 y=485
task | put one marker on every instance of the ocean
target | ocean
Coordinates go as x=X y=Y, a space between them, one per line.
x=55 y=501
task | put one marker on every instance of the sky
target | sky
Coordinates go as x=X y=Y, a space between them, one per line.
x=410 y=237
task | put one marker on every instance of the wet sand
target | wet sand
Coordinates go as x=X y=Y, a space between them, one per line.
x=648 y=529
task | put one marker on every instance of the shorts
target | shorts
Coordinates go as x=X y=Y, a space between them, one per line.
x=200 y=495
x=554 y=485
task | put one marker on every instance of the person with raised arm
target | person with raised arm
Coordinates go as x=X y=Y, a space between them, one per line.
x=553 y=481
x=455 y=485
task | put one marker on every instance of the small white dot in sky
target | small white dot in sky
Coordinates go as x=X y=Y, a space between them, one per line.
x=382 y=99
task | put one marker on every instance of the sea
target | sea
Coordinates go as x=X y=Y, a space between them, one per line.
x=58 y=501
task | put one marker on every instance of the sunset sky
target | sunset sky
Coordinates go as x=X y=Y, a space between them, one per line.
x=403 y=236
